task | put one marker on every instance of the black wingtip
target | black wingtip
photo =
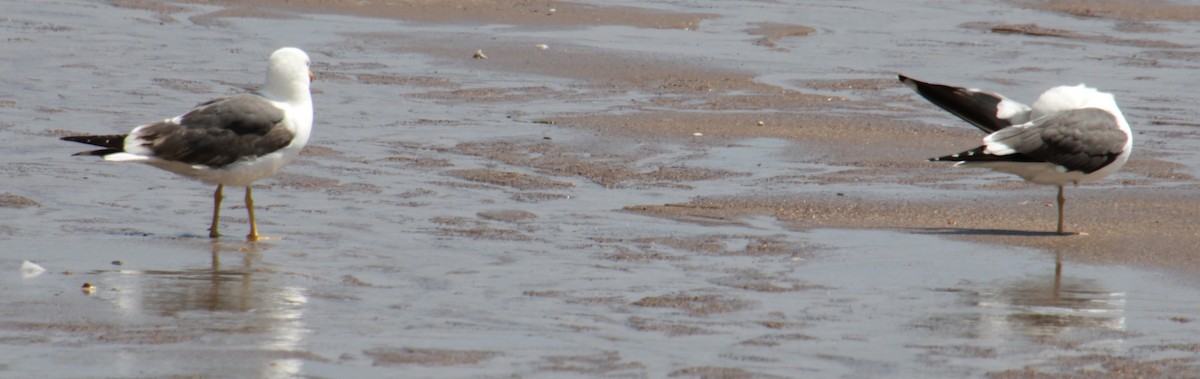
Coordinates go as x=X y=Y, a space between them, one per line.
x=958 y=157
x=99 y=153
x=112 y=141
x=911 y=83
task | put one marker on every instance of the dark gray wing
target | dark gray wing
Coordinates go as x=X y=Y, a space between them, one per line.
x=980 y=108
x=1081 y=140
x=219 y=132
x=242 y=114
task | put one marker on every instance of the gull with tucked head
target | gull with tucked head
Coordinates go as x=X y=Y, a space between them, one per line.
x=1071 y=134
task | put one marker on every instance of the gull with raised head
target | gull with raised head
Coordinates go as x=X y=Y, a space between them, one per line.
x=231 y=140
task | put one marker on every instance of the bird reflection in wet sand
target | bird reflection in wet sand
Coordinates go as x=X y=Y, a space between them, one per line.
x=1042 y=307
x=214 y=288
x=233 y=305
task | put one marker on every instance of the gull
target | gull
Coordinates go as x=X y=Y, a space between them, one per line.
x=1071 y=134
x=231 y=140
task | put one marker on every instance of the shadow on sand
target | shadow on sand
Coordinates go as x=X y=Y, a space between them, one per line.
x=986 y=232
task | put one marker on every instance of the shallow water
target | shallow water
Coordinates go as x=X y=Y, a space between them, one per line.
x=392 y=262
x=863 y=304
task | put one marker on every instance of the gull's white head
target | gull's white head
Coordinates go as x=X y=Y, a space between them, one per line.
x=288 y=75
x=1064 y=98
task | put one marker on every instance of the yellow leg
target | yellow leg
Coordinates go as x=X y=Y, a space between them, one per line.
x=253 y=236
x=212 y=230
x=1061 y=199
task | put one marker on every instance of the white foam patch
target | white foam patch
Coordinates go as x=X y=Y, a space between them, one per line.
x=30 y=270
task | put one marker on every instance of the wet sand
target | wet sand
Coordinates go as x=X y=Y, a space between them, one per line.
x=616 y=205
x=683 y=98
